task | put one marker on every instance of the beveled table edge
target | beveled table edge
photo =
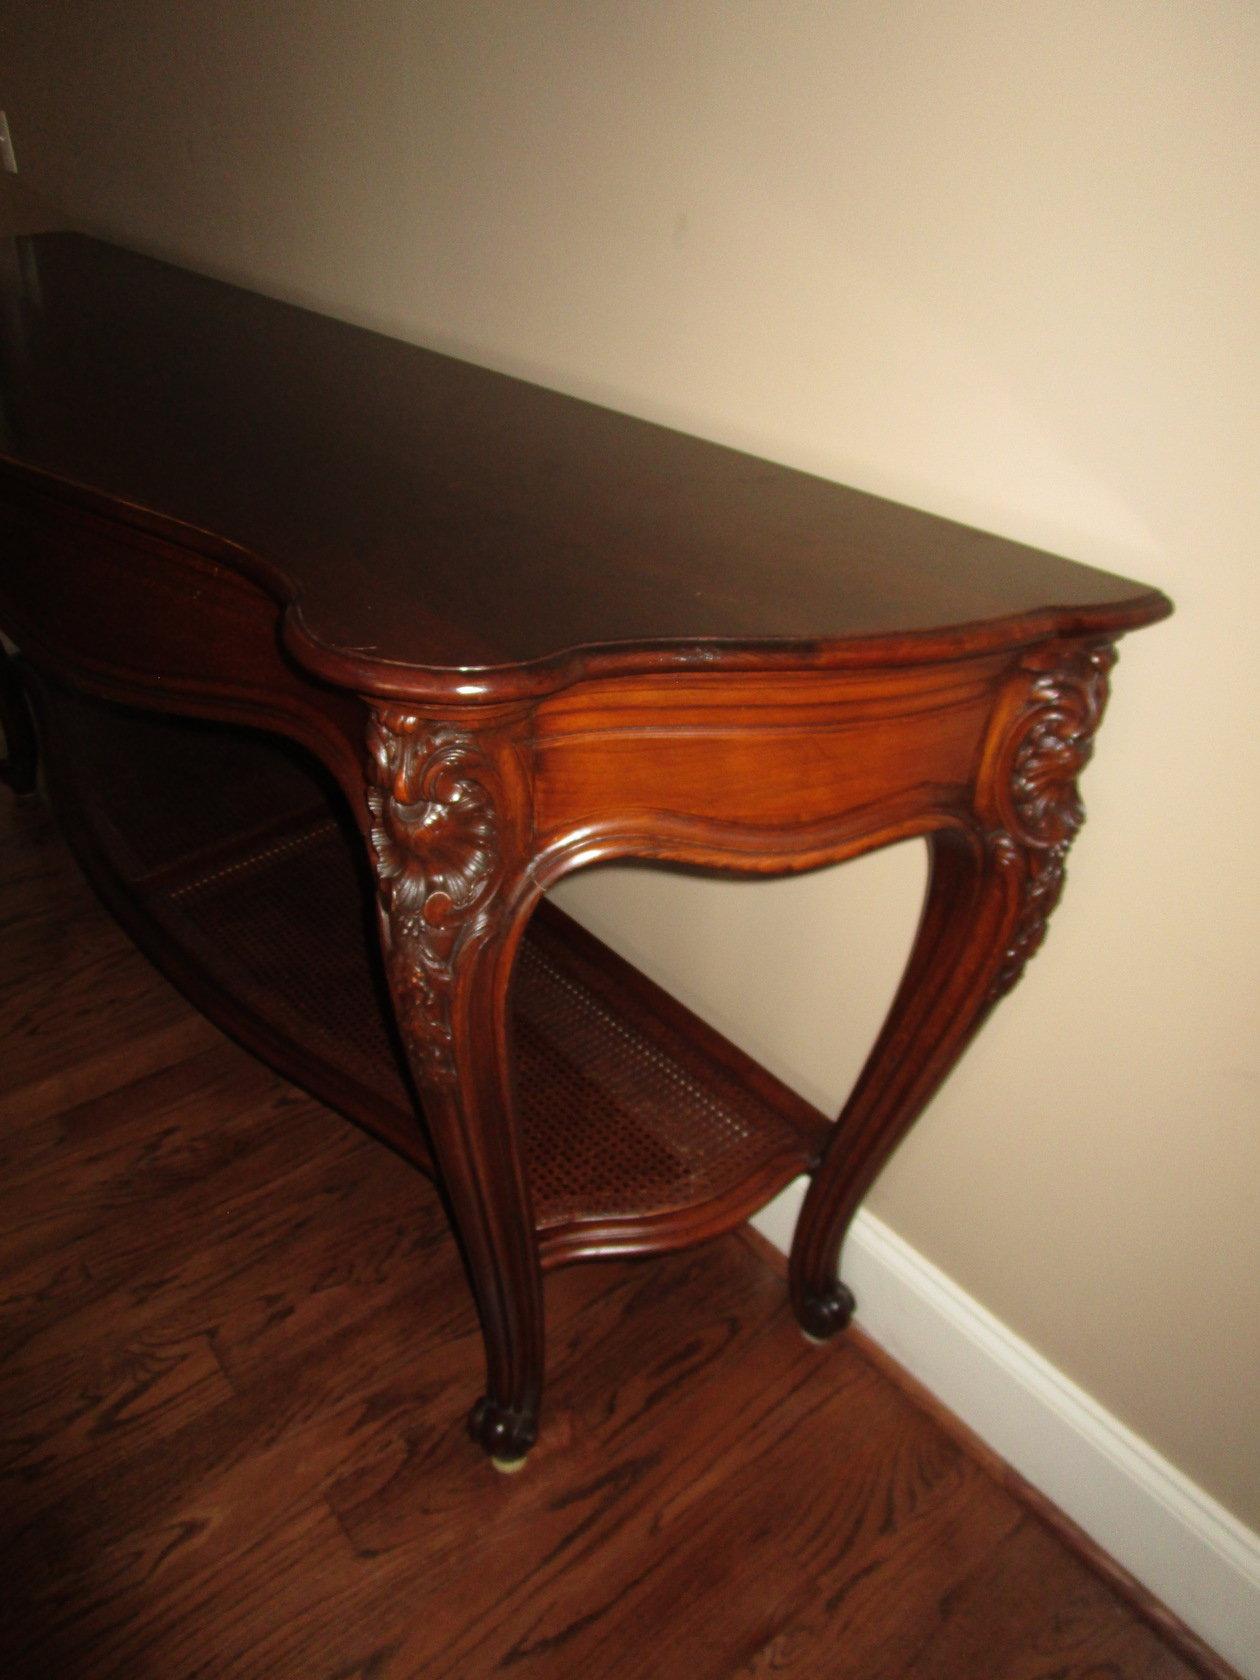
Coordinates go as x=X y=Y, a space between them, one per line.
x=420 y=683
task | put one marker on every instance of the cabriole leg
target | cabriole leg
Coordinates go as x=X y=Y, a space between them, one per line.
x=473 y=1140
x=441 y=842
x=943 y=996
x=992 y=885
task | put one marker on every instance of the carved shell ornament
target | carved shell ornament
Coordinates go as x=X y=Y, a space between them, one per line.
x=1052 y=742
x=435 y=837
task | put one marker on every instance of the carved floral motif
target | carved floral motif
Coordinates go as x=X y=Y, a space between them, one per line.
x=1051 y=744
x=435 y=833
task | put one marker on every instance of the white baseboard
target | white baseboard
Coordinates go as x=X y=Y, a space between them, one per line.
x=1179 y=1542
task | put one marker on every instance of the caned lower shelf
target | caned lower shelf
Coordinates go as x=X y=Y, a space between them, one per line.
x=242 y=876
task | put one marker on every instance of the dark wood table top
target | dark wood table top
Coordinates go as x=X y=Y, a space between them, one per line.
x=416 y=511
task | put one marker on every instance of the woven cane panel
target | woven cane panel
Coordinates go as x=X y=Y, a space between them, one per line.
x=613 y=1126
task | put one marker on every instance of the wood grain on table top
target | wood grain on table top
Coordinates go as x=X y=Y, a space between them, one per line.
x=415 y=510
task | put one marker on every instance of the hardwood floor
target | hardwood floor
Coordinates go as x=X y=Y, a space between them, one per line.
x=236 y=1350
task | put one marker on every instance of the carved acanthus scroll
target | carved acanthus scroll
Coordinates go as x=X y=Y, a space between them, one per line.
x=436 y=838
x=1039 y=801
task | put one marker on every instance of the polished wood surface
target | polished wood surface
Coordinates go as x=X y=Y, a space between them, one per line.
x=420 y=515
x=234 y=1331
x=519 y=635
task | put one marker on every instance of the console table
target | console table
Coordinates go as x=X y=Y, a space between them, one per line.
x=343 y=652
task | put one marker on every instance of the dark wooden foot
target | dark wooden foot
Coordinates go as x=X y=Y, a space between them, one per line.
x=505 y=1435
x=823 y=1316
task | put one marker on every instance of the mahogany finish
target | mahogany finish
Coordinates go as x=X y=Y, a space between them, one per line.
x=566 y=636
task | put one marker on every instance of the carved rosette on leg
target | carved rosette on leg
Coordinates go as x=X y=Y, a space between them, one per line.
x=1038 y=801
x=435 y=836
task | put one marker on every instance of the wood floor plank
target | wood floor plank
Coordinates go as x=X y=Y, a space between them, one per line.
x=170 y=1597
x=201 y=1152
x=998 y=1622
x=286 y=1277
x=880 y=1560
x=88 y=1016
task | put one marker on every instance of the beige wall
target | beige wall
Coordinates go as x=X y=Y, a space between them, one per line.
x=995 y=259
